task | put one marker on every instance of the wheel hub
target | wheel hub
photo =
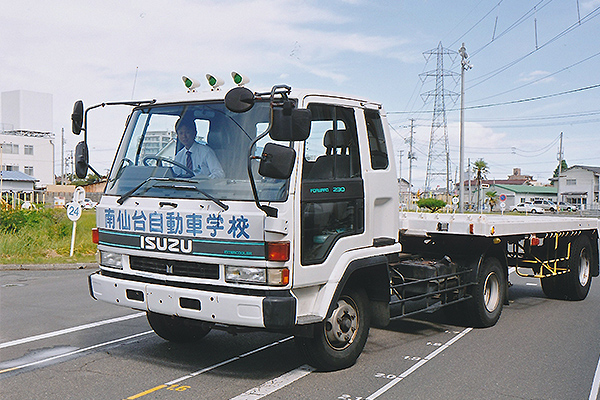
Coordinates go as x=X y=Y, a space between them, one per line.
x=342 y=326
x=584 y=268
x=491 y=294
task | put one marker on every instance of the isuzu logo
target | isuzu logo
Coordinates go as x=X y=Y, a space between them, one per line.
x=169 y=269
x=173 y=245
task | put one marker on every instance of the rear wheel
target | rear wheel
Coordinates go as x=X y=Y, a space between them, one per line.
x=488 y=294
x=177 y=329
x=575 y=284
x=339 y=340
x=579 y=278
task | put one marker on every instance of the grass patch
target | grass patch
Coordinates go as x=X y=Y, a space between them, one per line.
x=43 y=236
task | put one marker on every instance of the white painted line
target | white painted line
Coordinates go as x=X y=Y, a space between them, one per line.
x=75 y=352
x=418 y=365
x=595 y=384
x=210 y=368
x=203 y=370
x=275 y=384
x=69 y=330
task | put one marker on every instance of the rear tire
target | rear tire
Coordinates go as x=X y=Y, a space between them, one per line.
x=489 y=294
x=579 y=278
x=575 y=284
x=177 y=329
x=339 y=340
x=554 y=287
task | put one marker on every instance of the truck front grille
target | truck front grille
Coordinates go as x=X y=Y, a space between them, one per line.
x=174 y=267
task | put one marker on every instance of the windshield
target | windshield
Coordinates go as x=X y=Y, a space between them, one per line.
x=196 y=151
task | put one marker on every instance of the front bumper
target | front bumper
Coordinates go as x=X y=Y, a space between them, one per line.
x=259 y=311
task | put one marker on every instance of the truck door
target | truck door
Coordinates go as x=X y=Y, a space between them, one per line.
x=332 y=198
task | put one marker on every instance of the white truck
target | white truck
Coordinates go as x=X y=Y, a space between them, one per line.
x=302 y=233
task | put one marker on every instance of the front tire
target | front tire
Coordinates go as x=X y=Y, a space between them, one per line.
x=177 y=329
x=488 y=294
x=339 y=340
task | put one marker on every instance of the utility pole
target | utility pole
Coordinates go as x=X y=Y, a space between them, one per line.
x=560 y=160
x=464 y=63
x=62 y=157
x=411 y=157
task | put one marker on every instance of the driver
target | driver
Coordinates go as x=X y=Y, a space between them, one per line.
x=197 y=157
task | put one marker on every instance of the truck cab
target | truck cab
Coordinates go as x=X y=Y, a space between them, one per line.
x=256 y=244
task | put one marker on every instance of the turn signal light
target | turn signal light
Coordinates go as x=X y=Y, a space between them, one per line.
x=278 y=251
x=95 y=236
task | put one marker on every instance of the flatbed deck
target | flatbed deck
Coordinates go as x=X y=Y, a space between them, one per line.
x=490 y=225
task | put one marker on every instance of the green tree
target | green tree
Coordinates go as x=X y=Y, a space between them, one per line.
x=481 y=170
x=563 y=167
x=432 y=204
x=491 y=196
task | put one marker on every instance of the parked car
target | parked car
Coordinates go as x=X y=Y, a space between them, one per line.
x=528 y=208
x=547 y=205
x=87 y=204
x=562 y=206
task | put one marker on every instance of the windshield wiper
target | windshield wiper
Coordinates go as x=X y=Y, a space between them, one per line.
x=130 y=193
x=218 y=202
x=194 y=186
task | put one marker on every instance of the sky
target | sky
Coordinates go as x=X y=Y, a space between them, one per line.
x=535 y=67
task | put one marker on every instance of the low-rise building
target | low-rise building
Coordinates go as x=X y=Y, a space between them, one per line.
x=580 y=186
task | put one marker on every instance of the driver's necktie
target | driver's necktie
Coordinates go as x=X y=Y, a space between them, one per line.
x=188 y=162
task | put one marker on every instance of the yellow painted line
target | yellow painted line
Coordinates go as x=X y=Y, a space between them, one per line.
x=137 y=396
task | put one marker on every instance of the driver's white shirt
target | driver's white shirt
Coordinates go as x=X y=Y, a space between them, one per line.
x=204 y=160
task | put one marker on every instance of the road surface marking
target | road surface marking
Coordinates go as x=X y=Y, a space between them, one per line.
x=595 y=383
x=69 y=330
x=210 y=368
x=418 y=365
x=275 y=384
x=74 y=352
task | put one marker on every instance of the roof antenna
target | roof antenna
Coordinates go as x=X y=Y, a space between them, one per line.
x=134 y=81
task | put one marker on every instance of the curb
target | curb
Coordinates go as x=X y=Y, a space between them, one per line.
x=47 y=267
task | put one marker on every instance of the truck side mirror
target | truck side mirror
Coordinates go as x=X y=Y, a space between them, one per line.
x=77 y=117
x=239 y=100
x=277 y=161
x=290 y=123
x=81 y=160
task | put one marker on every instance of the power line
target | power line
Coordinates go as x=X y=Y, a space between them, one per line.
x=592 y=14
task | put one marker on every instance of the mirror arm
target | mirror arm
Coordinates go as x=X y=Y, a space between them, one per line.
x=268 y=210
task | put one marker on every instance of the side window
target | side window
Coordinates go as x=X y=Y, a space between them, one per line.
x=331 y=150
x=377 y=148
x=332 y=188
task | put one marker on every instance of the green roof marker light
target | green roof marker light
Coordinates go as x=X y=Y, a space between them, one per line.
x=239 y=79
x=214 y=81
x=190 y=84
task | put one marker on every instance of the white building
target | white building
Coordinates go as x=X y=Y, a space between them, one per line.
x=26 y=138
x=580 y=185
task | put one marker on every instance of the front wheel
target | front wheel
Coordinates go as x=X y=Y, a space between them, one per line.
x=489 y=294
x=339 y=340
x=177 y=329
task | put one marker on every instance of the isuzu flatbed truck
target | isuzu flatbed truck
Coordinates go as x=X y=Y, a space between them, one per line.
x=304 y=233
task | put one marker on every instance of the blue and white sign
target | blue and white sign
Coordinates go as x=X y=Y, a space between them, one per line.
x=73 y=211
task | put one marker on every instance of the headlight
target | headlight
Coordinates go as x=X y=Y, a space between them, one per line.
x=271 y=276
x=113 y=260
x=245 y=274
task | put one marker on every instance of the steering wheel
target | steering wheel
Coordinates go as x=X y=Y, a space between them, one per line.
x=159 y=162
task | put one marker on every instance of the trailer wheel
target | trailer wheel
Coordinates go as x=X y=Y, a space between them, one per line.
x=339 y=340
x=553 y=287
x=488 y=294
x=579 y=278
x=177 y=329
